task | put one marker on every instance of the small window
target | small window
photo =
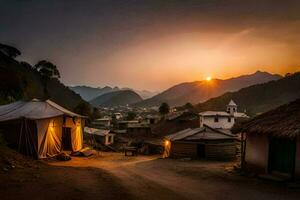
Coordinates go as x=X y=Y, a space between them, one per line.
x=229 y=119
x=216 y=119
x=110 y=139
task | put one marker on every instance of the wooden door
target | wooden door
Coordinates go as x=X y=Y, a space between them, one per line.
x=282 y=155
x=201 y=150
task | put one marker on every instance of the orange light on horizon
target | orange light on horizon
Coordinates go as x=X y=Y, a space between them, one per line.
x=208 y=78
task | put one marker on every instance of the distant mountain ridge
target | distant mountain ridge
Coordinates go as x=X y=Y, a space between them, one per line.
x=258 y=98
x=88 y=93
x=200 y=91
x=117 y=98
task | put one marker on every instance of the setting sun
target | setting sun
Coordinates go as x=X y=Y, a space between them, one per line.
x=208 y=78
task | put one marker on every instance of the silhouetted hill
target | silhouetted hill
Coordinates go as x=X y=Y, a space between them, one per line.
x=118 y=98
x=199 y=91
x=258 y=98
x=19 y=81
x=89 y=93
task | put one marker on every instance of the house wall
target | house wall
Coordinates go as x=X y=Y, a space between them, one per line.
x=183 y=149
x=297 y=164
x=213 y=151
x=221 y=151
x=257 y=152
x=222 y=123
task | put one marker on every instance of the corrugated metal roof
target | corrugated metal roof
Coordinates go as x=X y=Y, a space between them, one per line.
x=95 y=131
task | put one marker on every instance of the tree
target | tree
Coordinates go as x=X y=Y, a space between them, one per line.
x=189 y=107
x=83 y=108
x=96 y=113
x=164 y=109
x=131 y=115
x=26 y=65
x=9 y=51
x=47 y=69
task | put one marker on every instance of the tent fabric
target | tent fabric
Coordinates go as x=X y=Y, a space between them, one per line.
x=33 y=109
x=49 y=136
x=49 y=119
x=65 y=111
x=27 y=138
x=77 y=135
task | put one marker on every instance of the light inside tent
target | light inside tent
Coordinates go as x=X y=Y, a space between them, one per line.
x=167 y=142
x=167 y=148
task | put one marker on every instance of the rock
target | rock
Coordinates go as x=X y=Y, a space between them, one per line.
x=63 y=157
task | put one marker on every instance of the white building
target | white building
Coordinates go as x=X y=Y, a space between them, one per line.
x=100 y=135
x=221 y=119
x=117 y=116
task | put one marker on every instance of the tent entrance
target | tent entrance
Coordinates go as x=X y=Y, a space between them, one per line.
x=66 y=139
x=282 y=155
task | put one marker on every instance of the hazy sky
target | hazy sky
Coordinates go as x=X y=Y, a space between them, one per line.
x=154 y=44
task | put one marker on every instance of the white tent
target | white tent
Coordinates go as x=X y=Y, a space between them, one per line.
x=44 y=137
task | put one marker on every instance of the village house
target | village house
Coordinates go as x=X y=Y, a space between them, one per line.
x=139 y=129
x=41 y=129
x=221 y=119
x=117 y=116
x=201 y=143
x=124 y=124
x=104 y=122
x=99 y=135
x=152 y=119
x=271 y=142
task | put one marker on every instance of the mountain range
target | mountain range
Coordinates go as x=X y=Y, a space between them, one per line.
x=116 y=98
x=88 y=93
x=200 y=91
x=258 y=98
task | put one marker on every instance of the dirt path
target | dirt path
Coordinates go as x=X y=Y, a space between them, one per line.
x=35 y=180
x=114 y=176
x=150 y=177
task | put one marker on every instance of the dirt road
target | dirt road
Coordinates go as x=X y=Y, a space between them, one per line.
x=150 y=177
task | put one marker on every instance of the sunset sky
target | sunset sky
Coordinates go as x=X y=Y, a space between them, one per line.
x=154 y=44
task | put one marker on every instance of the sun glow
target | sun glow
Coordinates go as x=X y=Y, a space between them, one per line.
x=208 y=78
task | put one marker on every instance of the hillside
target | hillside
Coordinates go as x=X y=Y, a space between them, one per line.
x=89 y=93
x=199 y=91
x=19 y=81
x=258 y=98
x=118 y=98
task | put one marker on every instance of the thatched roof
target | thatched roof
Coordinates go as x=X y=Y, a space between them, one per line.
x=283 y=121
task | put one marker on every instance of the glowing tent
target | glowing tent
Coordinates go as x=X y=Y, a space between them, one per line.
x=41 y=128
